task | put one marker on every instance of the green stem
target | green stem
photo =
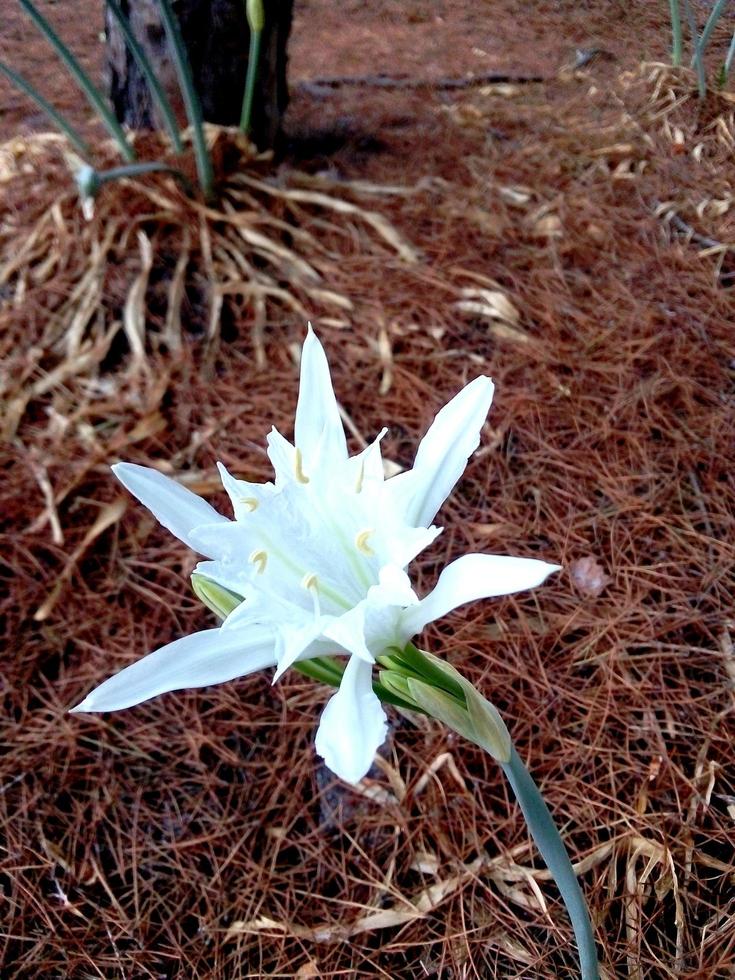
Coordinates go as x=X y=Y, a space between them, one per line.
x=677 y=47
x=140 y=169
x=323 y=669
x=94 y=96
x=552 y=850
x=714 y=16
x=191 y=100
x=156 y=89
x=697 y=59
x=54 y=115
x=728 y=62
x=250 y=80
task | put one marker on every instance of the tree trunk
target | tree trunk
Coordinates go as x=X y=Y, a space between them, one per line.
x=216 y=36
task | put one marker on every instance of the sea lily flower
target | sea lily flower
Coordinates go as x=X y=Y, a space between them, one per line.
x=317 y=561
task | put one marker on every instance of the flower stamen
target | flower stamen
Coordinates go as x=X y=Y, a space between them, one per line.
x=361 y=542
x=310 y=582
x=360 y=478
x=259 y=558
x=250 y=502
x=298 y=466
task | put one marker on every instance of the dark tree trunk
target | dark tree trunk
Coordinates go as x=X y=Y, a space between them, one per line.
x=216 y=36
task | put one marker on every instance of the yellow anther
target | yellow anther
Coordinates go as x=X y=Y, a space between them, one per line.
x=360 y=478
x=259 y=558
x=250 y=502
x=361 y=542
x=298 y=465
x=311 y=583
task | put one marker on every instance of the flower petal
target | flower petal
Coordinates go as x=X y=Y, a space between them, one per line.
x=442 y=455
x=318 y=427
x=475 y=577
x=178 y=509
x=348 y=631
x=198 y=660
x=245 y=497
x=353 y=725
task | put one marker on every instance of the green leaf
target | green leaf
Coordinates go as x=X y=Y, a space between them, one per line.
x=93 y=94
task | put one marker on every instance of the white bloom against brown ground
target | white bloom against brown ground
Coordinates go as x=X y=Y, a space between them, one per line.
x=317 y=561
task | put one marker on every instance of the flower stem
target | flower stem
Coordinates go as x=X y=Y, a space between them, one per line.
x=255 y=17
x=552 y=850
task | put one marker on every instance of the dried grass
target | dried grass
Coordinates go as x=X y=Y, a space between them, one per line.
x=197 y=835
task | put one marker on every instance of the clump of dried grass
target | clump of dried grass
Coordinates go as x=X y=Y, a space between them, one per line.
x=196 y=835
x=115 y=286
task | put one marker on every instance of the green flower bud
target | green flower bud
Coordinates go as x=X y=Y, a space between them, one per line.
x=255 y=14
x=215 y=597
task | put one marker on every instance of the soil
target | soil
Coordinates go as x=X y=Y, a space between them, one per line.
x=198 y=835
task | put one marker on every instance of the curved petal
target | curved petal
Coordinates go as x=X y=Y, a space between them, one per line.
x=282 y=456
x=353 y=725
x=367 y=465
x=198 y=660
x=318 y=427
x=442 y=455
x=178 y=509
x=245 y=497
x=348 y=630
x=475 y=577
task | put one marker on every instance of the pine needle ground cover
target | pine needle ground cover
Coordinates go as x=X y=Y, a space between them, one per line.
x=572 y=240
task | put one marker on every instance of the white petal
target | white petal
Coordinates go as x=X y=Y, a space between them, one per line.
x=198 y=660
x=318 y=427
x=293 y=641
x=244 y=496
x=283 y=457
x=353 y=725
x=367 y=466
x=178 y=509
x=349 y=632
x=442 y=455
x=394 y=588
x=475 y=577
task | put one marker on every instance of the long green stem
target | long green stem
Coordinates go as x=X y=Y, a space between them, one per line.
x=143 y=62
x=552 y=850
x=191 y=100
x=250 y=80
x=94 y=96
x=728 y=62
x=698 y=58
x=54 y=115
x=717 y=11
x=677 y=47
x=140 y=169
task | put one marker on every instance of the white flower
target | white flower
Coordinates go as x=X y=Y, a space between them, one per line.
x=319 y=558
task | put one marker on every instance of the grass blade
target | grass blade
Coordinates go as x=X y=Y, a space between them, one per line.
x=697 y=59
x=728 y=62
x=146 y=68
x=552 y=850
x=93 y=94
x=677 y=47
x=191 y=99
x=717 y=11
x=54 y=115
